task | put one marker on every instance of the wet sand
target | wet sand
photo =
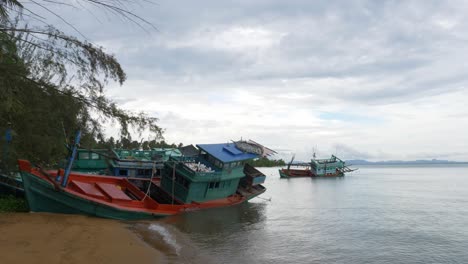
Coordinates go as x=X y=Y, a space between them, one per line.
x=54 y=238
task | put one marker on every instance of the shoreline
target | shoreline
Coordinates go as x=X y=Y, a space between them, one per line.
x=57 y=238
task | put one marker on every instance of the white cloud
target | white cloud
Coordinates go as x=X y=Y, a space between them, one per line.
x=369 y=79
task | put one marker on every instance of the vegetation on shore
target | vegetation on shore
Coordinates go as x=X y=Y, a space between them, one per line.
x=264 y=162
x=53 y=83
x=10 y=203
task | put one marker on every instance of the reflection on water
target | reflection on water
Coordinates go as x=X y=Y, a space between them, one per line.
x=183 y=238
x=374 y=215
x=220 y=220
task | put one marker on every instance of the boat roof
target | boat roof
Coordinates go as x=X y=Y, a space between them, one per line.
x=189 y=151
x=226 y=152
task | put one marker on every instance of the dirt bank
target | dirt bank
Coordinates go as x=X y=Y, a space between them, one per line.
x=53 y=238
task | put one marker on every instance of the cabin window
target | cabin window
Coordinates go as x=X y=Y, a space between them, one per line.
x=83 y=156
x=214 y=185
x=143 y=172
x=211 y=159
x=95 y=156
x=123 y=172
x=182 y=181
x=205 y=155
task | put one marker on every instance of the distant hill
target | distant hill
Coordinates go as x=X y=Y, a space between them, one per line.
x=402 y=162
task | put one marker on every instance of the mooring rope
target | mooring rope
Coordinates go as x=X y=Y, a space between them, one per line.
x=153 y=172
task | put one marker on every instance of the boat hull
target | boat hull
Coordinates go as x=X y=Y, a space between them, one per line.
x=336 y=174
x=11 y=185
x=294 y=173
x=282 y=174
x=43 y=197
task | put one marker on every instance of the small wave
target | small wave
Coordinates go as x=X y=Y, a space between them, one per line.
x=168 y=238
x=174 y=245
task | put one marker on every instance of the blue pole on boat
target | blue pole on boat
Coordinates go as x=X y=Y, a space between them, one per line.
x=71 y=159
x=8 y=139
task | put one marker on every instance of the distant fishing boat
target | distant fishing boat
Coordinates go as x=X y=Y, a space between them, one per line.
x=332 y=167
x=216 y=177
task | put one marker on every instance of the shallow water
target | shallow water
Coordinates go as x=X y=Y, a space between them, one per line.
x=382 y=214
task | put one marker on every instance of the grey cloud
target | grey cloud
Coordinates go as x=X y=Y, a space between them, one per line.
x=373 y=52
x=348 y=152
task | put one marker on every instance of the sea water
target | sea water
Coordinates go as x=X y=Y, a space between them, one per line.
x=392 y=214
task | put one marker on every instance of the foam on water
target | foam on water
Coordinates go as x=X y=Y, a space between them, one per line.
x=176 y=246
x=166 y=236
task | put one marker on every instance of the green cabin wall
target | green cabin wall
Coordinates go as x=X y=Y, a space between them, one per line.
x=201 y=187
x=329 y=167
x=87 y=161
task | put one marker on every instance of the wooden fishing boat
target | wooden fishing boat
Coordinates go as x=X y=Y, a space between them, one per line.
x=213 y=178
x=108 y=197
x=332 y=167
x=297 y=170
x=291 y=173
x=123 y=162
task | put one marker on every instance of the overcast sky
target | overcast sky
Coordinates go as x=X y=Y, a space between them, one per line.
x=374 y=80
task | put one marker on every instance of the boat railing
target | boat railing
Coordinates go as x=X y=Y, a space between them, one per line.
x=181 y=163
x=251 y=171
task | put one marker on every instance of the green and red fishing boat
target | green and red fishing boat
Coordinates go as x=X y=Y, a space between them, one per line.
x=331 y=167
x=123 y=162
x=217 y=177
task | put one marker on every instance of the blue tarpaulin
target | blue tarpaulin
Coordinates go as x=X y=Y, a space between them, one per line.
x=226 y=152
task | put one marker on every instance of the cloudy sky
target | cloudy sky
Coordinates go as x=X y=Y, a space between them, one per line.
x=375 y=80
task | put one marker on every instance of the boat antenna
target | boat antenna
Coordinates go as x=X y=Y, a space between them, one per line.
x=292 y=159
x=173 y=182
x=64 y=133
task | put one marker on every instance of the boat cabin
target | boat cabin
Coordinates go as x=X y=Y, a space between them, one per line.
x=90 y=161
x=214 y=173
x=123 y=162
x=331 y=166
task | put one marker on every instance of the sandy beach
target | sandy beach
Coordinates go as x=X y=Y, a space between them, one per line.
x=53 y=238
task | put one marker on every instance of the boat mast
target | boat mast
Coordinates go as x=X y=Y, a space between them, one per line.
x=6 y=148
x=292 y=159
x=70 y=160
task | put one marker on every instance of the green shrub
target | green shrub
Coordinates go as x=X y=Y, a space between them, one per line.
x=12 y=204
